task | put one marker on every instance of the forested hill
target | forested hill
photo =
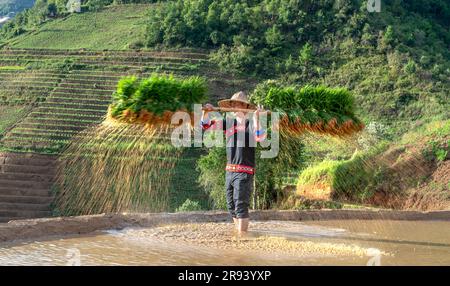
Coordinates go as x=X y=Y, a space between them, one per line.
x=396 y=61
x=256 y=35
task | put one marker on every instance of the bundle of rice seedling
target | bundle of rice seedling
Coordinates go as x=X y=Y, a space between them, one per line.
x=311 y=109
x=153 y=101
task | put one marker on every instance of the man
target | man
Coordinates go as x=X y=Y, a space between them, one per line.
x=240 y=168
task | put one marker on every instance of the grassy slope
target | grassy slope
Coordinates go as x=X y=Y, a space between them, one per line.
x=113 y=28
x=385 y=93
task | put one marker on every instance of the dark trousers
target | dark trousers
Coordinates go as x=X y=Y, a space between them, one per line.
x=239 y=187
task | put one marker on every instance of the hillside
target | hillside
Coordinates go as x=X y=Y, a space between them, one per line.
x=116 y=28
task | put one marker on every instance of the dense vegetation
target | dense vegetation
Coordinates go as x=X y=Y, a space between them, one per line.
x=298 y=29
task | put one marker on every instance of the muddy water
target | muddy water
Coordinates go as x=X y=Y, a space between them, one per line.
x=349 y=242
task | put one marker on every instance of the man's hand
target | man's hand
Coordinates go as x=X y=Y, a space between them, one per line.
x=207 y=108
x=259 y=110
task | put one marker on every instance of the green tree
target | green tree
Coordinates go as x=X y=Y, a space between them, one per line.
x=388 y=37
x=305 y=55
x=410 y=67
x=274 y=38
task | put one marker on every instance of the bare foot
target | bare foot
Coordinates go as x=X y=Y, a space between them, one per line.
x=236 y=224
x=243 y=225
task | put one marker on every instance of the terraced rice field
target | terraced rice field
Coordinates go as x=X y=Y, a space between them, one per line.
x=180 y=63
x=71 y=89
x=74 y=103
x=22 y=87
x=9 y=116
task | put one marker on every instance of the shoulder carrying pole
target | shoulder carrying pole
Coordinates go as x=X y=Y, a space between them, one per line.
x=230 y=109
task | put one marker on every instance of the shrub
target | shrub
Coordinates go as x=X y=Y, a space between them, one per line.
x=374 y=133
x=305 y=54
x=410 y=67
x=235 y=59
x=437 y=150
x=212 y=176
x=388 y=37
x=136 y=45
x=354 y=179
x=96 y=5
x=189 y=206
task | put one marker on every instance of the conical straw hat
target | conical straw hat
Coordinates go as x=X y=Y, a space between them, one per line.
x=239 y=97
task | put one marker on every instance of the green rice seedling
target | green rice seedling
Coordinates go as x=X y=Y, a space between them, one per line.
x=310 y=108
x=155 y=96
